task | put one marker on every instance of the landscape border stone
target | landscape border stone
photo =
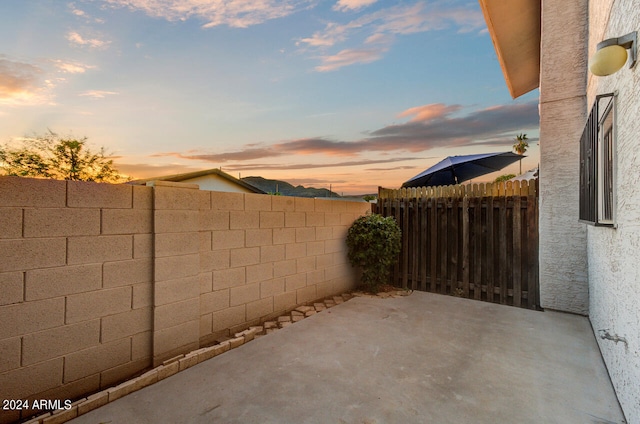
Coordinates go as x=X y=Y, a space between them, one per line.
x=181 y=362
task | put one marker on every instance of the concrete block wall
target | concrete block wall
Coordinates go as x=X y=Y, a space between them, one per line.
x=263 y=255
x=177 y=267
x=75 y=284
x=99 y=282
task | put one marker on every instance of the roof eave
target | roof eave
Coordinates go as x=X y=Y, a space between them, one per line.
x=514 y=27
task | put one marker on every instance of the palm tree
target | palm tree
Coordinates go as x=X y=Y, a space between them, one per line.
x=520 y=147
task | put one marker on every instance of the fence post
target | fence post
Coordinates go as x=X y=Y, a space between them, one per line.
x=423 y=243
x=532 y=231
x=405 y=240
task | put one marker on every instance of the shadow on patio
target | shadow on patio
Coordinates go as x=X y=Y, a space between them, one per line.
x=415 y=359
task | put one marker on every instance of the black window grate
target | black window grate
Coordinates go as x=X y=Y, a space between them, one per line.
x=589 y=164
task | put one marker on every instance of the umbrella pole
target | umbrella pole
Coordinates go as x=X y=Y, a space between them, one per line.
x=520 y=166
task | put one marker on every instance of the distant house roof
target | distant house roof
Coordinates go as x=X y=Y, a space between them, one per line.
x=529 y=175
x=201 y=176
x=514 y=27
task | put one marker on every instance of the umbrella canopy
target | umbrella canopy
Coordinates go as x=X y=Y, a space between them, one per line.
x=456 y=169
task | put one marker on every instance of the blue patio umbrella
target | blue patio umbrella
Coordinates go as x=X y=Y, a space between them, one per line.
x=456 y=169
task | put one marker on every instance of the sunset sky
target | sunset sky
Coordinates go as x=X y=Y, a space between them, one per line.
x=353 y=93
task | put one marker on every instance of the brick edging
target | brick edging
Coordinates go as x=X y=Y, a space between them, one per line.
x=182 y=362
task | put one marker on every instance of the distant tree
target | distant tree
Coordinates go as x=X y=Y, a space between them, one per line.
x=369 y=197
x=521 y=146
x=56 y=157
x=505 y=177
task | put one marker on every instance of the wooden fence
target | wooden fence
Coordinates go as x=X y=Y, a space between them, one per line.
x=478 y=241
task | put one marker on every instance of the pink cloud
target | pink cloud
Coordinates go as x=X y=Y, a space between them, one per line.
x=234 y=13
x=23 y=84
x=433 y=126
x=71 y=67
x=302 y=166
x=381 y=26
x=350 y=57
x=98 y=94
x=345 y=5
x=77 y=39
x=429 y=112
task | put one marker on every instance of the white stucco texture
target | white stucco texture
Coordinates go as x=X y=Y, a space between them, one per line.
x=614 y=253
x=563 y=253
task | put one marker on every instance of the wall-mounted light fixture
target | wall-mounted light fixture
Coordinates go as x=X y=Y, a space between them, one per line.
x=611 y=54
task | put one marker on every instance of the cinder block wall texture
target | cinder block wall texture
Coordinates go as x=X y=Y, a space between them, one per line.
x=99 y=282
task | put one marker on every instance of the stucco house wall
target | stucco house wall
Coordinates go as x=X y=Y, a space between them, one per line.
x=563 y=253
x=207 y=179
x=216 y=183
x=585 y=269
x=614 y=253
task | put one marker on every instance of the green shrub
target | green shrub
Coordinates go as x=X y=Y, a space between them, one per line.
x=373 y=243
x=505 y=177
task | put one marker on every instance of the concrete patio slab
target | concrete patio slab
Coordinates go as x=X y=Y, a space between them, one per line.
x=423 y=358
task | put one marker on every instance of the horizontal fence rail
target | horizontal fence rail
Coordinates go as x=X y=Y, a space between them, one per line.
x=478 y=241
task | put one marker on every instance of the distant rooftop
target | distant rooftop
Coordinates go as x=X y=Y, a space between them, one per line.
x=198 y=174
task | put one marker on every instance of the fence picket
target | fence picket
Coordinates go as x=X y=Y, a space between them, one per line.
x=405 y=241
x=433 y=238
x=502 y=249
x=476 y=256
x=396 y=211
x=491 y=247
x=480 y=238
x=443 y=235
x=465 y=246
x=517 y=250
x=423 y=244
x=415 y=232
x=453 y=257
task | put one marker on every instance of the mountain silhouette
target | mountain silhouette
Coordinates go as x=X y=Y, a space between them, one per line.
x=286 y=189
